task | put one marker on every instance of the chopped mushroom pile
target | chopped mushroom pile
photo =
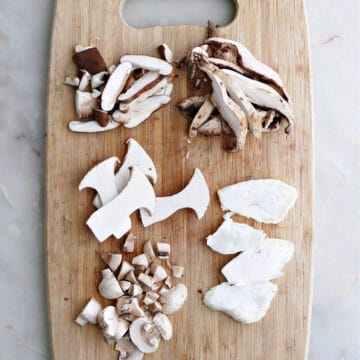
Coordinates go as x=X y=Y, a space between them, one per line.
x=247 y=95
x=127 y=93
x=248 y=292
x=144 y=295
x=120 y=193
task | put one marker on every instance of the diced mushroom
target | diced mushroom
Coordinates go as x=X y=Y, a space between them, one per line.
x=109 y=287
x=124 y=270
x=135 y=308
x=123 y=305
x=201 y=117
x=96 y=94
x=168 y=282
x=91 y=126
x=163 y=325
x=140 y=262
x=155 y=307
x=98 y=79
x=72 y=81
x=131 y=277
x=128 y=351
x=158 y=272
x=150 y=297
x=84 y=81
x=163 y=250
x=136 y=290
x=112 y=260
x=148 y=63
x=108 y=320
x=129 y=243
x=85 y=104
x=125 y=285
x=174 y=299
x=89 y=313
x=177 y=271
x=149 y=250
x=165 y=53
x=146 y=280
x=163 y=290
x=89 y=59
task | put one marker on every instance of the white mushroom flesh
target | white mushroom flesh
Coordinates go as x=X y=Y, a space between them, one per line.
x=91 y=126
x=174 y=299
x=148 y=63
x=89 y=313
x=109 y=287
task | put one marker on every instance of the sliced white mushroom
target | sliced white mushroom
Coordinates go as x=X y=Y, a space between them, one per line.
x=72 y=81
x=109 y=287
x=144 y=335
x=139 y=86
x=85 y=104
x=89 y=313
x=232 y=237
x=115 y=85
x=163 y=250
x=102 y=179
x=150 y=297
x=98 y=79
x=158 y=273
x=177 y=271
x=163 y=325
x=129 y=243
x=140 y=262
x=266 y=201
x=127 y=350
x=125 y=285
x=201 y=117
x=165 y=53
x=149 y=250
x=135 y=156
x=174 y=299
x=112 y=260
x=84 y=81
x=247 y=304
x=91 y=126
x=261 y=264
x=194 y=196
x=148 y=63
x=125 y=269
x=168 y=282
x=138 y=193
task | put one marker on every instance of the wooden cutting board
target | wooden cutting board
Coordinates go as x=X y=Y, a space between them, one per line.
x=276 y=32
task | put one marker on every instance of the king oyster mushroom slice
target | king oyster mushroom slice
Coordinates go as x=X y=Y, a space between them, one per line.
x=124 y=270
x=264 y=95
x=163 y=325
x=114 y=86
x=72 y=81
x=140 y=262
x=112 y=260
x=98 y=79
x=201 y=117
x=139 y=86
x=128 y=351
x=149 y=250
x=194 y=196
x=158 y=272
x=85 y=104
x=135 y=156
x=89 y=313
x=213 y=127
x=189 y=107
x=148 y=63
x=92 y=126
x=247 y=304
x=163 y=250
x=232 y=237
x=259 y=264
x=174 y=299
x=89 y=59
x=102 y=179
x=138 y=193
x=250 y=64
x=165 y=53
x=144 y=335
x=109 y=287
x=266 y=201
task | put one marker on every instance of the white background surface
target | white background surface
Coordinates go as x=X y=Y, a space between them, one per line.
x=24 y=41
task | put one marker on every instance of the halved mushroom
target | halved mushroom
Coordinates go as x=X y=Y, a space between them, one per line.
x=112 y=260
x=129 y=243
x=158 y=272
x=165 y=53
x=124 y=270
x=91 y=126
x=174 y=299
x=148 y=63
x=89 y=313
x=128 y=351
x=72 y=81
x=114 y=86
x=201 y=117
x=163 y=325
x=109 y=287
x=140 y=262
x=89 y=59
x=135 y=290
x=144 y=335
x=85 y=104
x=98 y=79
x=149 y=250
x=84 y=81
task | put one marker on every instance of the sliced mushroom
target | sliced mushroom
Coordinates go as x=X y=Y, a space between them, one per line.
x=177 y=271
x=123 y=305
x=109 y=287
x=201 y=117
x=131 y=277
x=129 y=243
x=108 y=321
x=102 y=117
x=112 y=260
x=155 y=307
x=96 y=94
x=102 y=179
x=91 y=126
x=138 y=193
x=158 y=272
x=165 y=53
x=150 y=297
x=195 y=196
x=146 y=280
x=85 y=104
x=84 y=81
x=72 y=81
x=163 y=325
x=140 y=262
x=125 y=269
x=89 y=59
x=125 y=285
x=89 y=313
x=163 y=290
x=136 y=290
x=98 y=79
x=225 y=64
x=163 y=250
x=191 y=106
x=128 y=351
x=144 y=335
x=168 y=282
x=114 y=86
x=149 y=250
x=174 y=299
x=148 y=63
x=213 y=127
x=135 y=308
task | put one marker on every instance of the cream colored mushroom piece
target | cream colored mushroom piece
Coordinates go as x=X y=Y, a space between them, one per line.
x=109 y=287
x=85 y=104
x=89 y=313
x=127 y=350
x=148 y=63
x=177 y=271
x=129 y=243
x=126 y=267
x=163 y=250
x=149 y=250
x=163 y=325
x=91 y=126
x=112 y=260
x=158 y=272
x=144 y=335
x=174 y=299
x=140 y=262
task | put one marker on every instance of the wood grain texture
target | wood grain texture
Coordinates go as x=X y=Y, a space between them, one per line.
x=276 y=32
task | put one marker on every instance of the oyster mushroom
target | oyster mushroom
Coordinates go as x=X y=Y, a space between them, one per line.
x=148 y=63
x=165 y=53
x=89 y=313
x=144 y=335
x=92 y=126
x=163 y=325
x=112 y=260
x=128 y=351
x=109 y=287
x=174 y=299
x=85 y=104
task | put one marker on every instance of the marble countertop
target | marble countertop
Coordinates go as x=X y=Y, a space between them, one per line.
x=24 y=38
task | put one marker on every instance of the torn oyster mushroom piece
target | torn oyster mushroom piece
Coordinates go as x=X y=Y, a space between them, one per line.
x=109 y=287
x=247 y=304
x=259 y=264
x=194 y=196
x=265 y=200
x=148 y=63
x=138 y=193
x=127 y=350
x=112 y=260
x=89 y=313
x=129 y=243
x=92 y=126
x=165 y=53
x=232 y=238
x=163 y=250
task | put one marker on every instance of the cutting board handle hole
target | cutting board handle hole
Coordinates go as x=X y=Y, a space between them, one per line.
x=150 y=13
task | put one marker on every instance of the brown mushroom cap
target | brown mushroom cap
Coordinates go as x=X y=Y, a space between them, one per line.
x=90 y=60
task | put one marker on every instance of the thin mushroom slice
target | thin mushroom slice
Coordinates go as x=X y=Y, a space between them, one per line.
x=265 y=200
x=148 y=63
x=92 y=126
x=224 y=64
x=259 y=264
x=138 y=193
x=189 y=107
x=213 y=127
x=247 y=304
x=89 y=313
x=201 y=117
x=165 y=53
x=144 y=335
x=194 y=196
